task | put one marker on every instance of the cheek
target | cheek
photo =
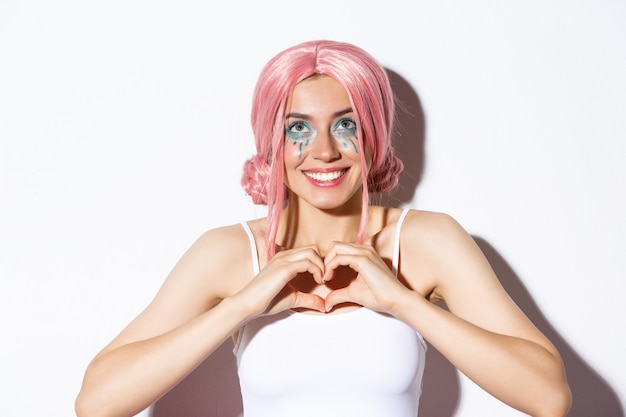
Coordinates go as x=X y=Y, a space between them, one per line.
x=298 y=145
x=294 y=150
x=347 y=141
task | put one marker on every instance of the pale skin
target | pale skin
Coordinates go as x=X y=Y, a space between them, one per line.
x=319 y=269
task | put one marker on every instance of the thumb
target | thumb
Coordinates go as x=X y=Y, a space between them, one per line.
x=309 y=301
x=336 y=297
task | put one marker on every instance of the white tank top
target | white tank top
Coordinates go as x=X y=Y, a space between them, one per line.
x=360 y=363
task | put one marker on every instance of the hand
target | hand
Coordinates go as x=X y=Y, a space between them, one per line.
x=375 y=286
x=271 y=292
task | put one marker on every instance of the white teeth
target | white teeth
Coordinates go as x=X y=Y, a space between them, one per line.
x=325 y=176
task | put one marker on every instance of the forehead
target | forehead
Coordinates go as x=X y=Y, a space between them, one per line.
x=318 y=94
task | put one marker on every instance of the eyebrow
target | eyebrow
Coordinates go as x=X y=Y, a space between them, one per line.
x=307 y=117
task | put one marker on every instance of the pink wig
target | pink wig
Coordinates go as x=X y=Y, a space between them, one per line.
x=371 y=97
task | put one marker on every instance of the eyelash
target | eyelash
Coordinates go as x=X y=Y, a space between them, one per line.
x=298 y=134
x=307 y=132
x=339 y=126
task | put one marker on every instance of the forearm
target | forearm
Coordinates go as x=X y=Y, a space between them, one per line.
x=127 y=379
x=519 y=372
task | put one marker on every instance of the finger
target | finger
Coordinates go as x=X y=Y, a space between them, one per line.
x=354 y=262
x=291 y=267
x=345 y=254
x=289 y=298
x=330 y=263
x=317 y=271
x=335 y=297
x=318 y=261
x=309 y=301
x=310 y=254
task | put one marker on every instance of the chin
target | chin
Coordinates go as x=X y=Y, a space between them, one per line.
x=336 y=204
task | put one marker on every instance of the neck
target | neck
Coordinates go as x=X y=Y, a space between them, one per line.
x=302 y=225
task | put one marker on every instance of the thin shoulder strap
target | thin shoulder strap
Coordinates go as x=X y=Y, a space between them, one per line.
x=255 y=255
x=396 y=242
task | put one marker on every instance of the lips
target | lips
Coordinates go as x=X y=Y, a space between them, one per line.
x=325 y=177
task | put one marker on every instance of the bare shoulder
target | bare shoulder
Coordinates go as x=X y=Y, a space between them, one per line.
x=430 y=230
x=432 y=222
x=220 y=241
x=223 y=255
x=446 y=264
x=432 y=242
x=215 y=266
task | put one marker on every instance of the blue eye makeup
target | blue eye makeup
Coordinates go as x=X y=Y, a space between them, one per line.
x=299 y=130
x=345 y=133
x=300 y=133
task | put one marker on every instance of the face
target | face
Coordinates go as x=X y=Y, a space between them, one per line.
x=322 y=150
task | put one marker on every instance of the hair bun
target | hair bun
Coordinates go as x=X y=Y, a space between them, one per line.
x=385 y=178
x=255 y=179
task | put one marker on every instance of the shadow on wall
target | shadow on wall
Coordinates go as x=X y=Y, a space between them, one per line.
x=441 y=385
x=212 y=390
x=592 y=395
x=408 y=137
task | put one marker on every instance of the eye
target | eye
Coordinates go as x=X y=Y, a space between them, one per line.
x=298 y=128
x=346 y=125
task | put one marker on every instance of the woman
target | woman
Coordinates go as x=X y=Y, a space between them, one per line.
x=329 y=298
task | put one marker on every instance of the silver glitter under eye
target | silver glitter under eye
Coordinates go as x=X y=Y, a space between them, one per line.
x=345 y=133
x=300 y=133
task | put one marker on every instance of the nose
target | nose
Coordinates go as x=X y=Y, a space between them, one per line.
x=325 y=147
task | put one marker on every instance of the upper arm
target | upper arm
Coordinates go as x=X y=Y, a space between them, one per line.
x=463 y=278
x=202 y=277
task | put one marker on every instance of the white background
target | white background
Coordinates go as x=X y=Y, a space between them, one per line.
x=124 y=126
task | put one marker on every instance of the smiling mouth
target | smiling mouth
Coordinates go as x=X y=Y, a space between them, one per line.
x=325 y=176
